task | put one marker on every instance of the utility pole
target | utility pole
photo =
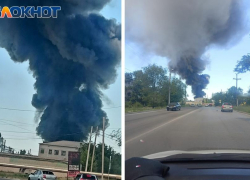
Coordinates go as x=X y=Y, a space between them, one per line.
x=169 y=88
x=103 y=130
x=86 y=167
x=93 y=154
x=237 y=88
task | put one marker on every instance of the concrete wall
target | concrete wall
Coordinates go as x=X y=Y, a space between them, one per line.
x=53 y=148
x=32 y=161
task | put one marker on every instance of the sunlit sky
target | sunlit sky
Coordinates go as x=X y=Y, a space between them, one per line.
x=16 y=90
x=220 y=67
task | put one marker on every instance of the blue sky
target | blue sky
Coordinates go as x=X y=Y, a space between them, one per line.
x=16 y=90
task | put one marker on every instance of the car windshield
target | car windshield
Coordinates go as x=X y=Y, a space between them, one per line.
x=172 y=104
x=88 y=176
x=193 y=53
x=227 y=104
x=48 y=172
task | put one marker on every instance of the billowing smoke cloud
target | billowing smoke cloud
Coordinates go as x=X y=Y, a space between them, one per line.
x=72 y=58
x=182 y=30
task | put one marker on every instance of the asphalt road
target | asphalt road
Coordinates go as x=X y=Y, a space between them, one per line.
x=204 y=128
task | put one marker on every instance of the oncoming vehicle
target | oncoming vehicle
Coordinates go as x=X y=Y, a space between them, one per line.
x=227 y=107
x=192 y=105
x=199 y=105
x=42 y=175
x=84 y=176
x=175 y=106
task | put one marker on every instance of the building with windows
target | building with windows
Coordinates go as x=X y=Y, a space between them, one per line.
x=57 y=150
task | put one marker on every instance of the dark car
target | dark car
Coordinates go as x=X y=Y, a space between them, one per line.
x=85 y=176
x=174 y=106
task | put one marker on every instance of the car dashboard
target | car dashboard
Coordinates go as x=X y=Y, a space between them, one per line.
x=208 y=170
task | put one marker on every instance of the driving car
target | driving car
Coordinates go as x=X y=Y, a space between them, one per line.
x=199 y=105
x=175 y=106
x=227 y=107
x=192 y=105
x=85 y=176
x=206 y=105
x=42 y=175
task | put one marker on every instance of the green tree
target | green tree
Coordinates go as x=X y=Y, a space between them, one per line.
x=22 y=152
x=116 y=135
x=150 y=87
x=154 y=78
x=230 y=96
x=243 y=65
x=97 y=164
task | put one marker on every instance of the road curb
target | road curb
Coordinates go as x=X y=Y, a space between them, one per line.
x=144 y=111
x=242 y=112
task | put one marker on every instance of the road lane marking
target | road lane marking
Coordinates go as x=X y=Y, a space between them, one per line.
x=160 y=126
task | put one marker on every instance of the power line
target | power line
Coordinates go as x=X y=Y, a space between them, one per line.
x=16 y=126
x=11 y=109
x=16 y=122
x=129 y=70
x=17 y=132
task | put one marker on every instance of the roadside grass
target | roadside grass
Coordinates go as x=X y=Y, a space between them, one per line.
x=13 y=175
x=140 y=109
x=242 y=109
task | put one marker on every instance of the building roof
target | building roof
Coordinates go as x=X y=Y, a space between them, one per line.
x=73 y=144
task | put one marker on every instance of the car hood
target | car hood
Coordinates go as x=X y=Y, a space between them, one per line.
x=205 y=152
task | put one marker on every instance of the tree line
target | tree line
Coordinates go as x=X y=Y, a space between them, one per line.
x=230 y=96
x=149 y=87
x=242 y=66
x=97 y=164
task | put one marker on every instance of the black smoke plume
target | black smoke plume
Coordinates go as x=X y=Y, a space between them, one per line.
x=182 y=31
x=72 y=59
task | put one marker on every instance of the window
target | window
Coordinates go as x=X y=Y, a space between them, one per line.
x=63 y=153
x=56 y=152
x=42 y=151
x=48 y=172
x=50 y=151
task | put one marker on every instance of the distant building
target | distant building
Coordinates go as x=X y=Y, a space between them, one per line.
x=198 y=100
x=189 y=102
x=57 y=150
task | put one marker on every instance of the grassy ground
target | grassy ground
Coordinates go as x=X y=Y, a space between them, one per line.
x=139 y=109
x=242 y=108
x=13 y=175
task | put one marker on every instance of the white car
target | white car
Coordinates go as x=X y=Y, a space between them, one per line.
x=42 y=175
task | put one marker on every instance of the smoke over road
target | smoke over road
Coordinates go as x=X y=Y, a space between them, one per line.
x=72 y=59
x=183 y=30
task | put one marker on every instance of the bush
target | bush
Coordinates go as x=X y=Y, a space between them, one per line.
x=137 y=105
